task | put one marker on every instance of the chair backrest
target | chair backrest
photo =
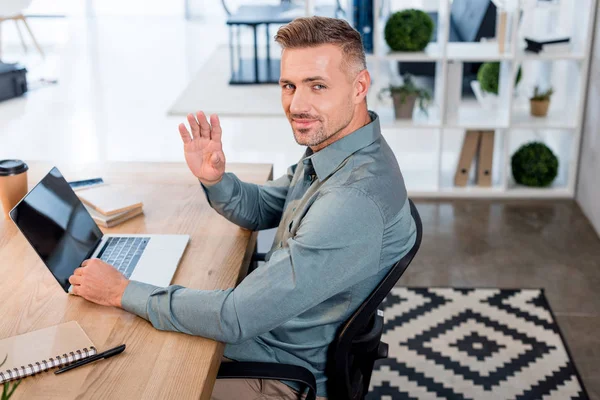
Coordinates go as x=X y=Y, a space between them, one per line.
x=11 y=8
x=357 y=344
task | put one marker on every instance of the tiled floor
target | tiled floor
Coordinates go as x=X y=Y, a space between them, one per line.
x=117 y=78
x=548 y=245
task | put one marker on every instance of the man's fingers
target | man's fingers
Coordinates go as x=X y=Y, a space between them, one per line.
x=185 y=134
x=79 y=271
x=216 y=159
x=215 y=133
x=204 y=125
x=75 y=280
x=194 y=126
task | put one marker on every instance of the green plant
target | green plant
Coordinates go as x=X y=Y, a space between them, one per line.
x=407 y=89
x=541 y=96
x=534 y=164
x=488 y=76
x=8 y=391
x=408 y=30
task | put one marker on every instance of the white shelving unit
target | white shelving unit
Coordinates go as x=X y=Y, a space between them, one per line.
x=428 y=146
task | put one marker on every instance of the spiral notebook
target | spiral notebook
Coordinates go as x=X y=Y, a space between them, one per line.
x=38 y=351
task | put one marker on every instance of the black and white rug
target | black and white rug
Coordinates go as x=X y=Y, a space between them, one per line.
x=473 y=344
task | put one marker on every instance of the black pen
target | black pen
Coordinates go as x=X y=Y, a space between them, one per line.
x=104 y=354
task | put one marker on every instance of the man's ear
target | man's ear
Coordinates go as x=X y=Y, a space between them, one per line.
x=362 y=82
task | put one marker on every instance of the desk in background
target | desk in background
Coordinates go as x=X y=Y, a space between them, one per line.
x=257 y=70
x=156 y=364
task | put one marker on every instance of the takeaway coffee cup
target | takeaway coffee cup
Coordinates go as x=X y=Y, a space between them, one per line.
x=13 y=183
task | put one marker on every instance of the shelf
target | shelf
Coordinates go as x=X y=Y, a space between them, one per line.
x=475 y=52
x=428 y=146
x=563 y=55
x=432 y=52
x=420 y=119
x=476 y=117
x=495 y=193
x=522 y=119
x=515 y=190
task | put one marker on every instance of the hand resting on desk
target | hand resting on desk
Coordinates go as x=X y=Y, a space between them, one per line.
x=99 y=282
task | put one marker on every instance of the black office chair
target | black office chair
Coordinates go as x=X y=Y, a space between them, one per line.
x=353 y=352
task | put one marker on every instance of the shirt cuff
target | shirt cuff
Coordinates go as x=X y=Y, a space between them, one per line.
x=222 y=191
x=135 y=298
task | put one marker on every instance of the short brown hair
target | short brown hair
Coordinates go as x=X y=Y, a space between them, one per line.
x=316 y=31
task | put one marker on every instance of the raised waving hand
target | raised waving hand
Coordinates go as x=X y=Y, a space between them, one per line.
x=203 y=149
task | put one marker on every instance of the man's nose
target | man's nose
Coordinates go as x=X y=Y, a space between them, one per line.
x=300 y=103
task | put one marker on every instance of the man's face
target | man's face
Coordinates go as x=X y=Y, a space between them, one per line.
x=316 y=93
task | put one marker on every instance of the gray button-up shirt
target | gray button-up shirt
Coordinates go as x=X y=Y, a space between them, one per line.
x=343 y=220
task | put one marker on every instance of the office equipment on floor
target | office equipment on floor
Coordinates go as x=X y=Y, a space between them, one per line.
x=467 y=155
x=38 y=351
x=59 y=228
x=485 y=158
x=13 y=81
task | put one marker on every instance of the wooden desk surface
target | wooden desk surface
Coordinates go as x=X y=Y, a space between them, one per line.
x=156 y=364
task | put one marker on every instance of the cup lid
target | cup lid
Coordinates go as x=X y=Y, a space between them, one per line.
x=12 y=167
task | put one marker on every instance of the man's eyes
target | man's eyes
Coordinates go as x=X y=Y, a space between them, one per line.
x=289 y=86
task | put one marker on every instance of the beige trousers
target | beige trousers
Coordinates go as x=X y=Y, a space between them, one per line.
x=254 y=389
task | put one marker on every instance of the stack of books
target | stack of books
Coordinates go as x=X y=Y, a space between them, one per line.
x=110 y=205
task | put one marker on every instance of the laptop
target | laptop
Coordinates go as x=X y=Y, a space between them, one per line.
x=62 y=232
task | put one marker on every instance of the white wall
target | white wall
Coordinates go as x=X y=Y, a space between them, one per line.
x=588 y=185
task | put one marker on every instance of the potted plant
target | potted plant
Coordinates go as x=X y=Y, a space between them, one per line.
x=408 y=30
x=534 y=164
x=486 y=86
x=7 y=390
x=540 y=102
x=405 y=96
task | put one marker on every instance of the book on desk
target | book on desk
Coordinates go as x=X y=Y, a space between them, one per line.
x=110 y=205
x=38 y=351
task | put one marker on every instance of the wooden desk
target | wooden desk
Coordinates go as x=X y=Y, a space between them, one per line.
x=156 y=364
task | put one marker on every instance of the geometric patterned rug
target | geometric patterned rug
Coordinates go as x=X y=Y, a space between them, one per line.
x=460 y=344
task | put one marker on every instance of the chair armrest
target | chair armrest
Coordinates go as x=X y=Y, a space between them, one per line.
x=258 y=257
x=260 y=370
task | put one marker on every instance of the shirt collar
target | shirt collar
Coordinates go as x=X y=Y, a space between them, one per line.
x=329 y=158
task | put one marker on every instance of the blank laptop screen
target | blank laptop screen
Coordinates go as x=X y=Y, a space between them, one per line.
x=57 y=225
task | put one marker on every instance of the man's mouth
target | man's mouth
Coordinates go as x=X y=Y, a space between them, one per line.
x=303 y=123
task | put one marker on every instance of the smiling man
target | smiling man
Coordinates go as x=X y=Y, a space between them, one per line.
x=342 y=215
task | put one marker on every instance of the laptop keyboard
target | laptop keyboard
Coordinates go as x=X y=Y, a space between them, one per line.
x=123 y=253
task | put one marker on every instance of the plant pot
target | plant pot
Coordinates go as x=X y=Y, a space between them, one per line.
x=539 y=108
x=404 y=110
x=488 y=101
